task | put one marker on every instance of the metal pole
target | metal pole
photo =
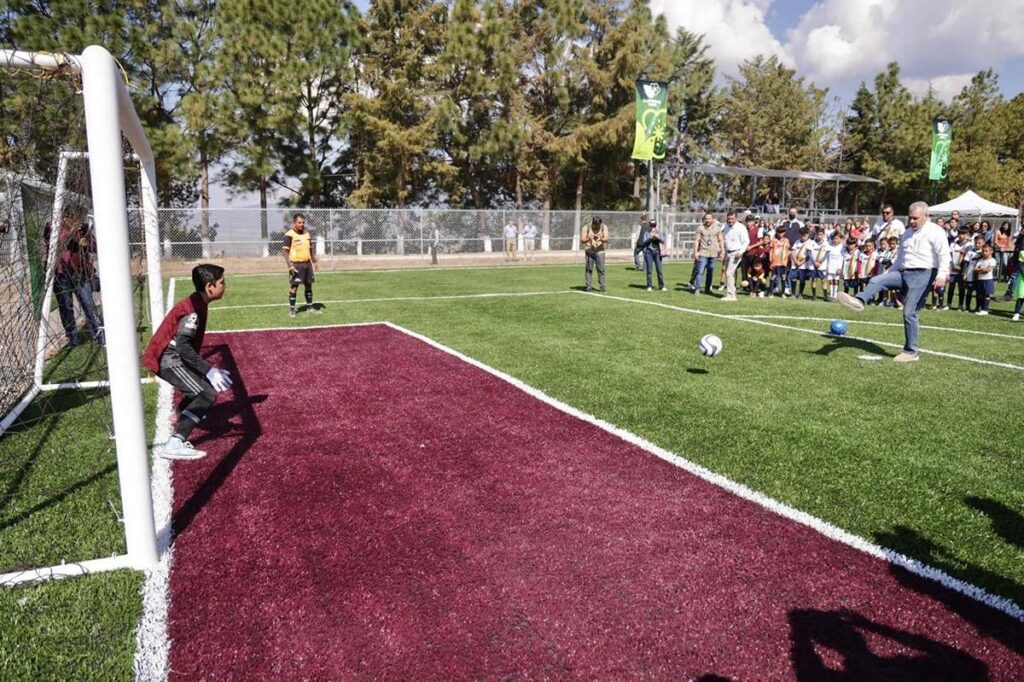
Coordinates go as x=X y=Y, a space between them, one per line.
x=650 y=187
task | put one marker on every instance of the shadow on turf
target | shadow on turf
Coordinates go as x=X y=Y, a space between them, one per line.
x=1007 y=523
x=841 y=342
x=696 y=370
x=989 y=621
x=220 y=425
x=845 y=635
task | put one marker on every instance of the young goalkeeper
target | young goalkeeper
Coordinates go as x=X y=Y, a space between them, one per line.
x=173 y=354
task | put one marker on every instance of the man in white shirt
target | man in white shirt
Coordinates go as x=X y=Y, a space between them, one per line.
x=736 y=242
x=511 y=238
x=888 y=225
x=921 y=264
x=529 y=239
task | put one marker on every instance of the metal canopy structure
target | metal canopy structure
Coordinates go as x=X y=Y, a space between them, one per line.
x=815 y=177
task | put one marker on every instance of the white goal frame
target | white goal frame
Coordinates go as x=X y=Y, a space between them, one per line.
x=109 y=113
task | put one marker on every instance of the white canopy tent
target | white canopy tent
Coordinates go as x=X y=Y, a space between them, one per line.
x=970 y=203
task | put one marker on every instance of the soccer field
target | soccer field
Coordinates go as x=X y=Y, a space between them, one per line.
x=922 y=459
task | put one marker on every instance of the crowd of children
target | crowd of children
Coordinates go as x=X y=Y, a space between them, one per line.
x=790 y=259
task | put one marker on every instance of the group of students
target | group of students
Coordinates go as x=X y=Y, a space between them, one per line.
x=790 y=258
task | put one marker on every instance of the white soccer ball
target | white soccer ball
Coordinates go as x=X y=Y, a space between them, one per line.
x=710 y=345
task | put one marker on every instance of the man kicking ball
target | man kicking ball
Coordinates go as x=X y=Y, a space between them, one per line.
x=921 y=264
x=173 y=354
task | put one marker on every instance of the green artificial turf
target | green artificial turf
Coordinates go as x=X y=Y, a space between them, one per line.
x=924 y=459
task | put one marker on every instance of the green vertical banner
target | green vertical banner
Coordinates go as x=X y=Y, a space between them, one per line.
x=651 y=118
x=942 y=136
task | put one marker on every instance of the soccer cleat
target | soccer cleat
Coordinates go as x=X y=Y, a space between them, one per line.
x=314 y=310
x=728 y=298
x=906 y=357
x=175 y=448
x=851 y=302
x=291 y=312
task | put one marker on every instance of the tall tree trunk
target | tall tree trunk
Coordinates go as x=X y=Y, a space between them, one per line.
x=204 y=193
x=579 y=196
x=636 y=180
x=519 y=190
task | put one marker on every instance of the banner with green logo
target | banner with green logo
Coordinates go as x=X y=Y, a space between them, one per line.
x=651 y=117
x=942 y=136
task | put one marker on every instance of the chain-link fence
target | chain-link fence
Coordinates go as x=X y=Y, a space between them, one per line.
x=194 y=234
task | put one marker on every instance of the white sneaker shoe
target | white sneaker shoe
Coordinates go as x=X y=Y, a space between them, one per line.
x=649 y=289
x=728 y=298
x=175 y=448
x=663 y=289
x=851 y=302
x=1015 y=318
x=906 y=357
x=981 y=312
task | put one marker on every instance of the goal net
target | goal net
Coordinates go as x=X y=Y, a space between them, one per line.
x=79 y=293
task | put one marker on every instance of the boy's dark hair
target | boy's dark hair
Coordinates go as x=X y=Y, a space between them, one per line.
x=206 y=273
x=297 y=216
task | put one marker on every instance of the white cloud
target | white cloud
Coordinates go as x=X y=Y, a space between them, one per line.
x=844 y=42
x=734 y=30
x=945 y=87
x=841 y=43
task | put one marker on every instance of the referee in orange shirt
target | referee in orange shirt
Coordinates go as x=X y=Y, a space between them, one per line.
x=301 y=263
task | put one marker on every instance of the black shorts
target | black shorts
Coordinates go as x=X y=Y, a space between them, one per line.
x=303 y=274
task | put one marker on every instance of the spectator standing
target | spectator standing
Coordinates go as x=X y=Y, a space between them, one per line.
x=792 y=226
x=435 y=243
x=956 y=282
x=511 y=236
x=778 y=261
x=984 y=282
x=736 y=242
x=708 y=246
x=638 y=250
x=1003 y=243
x=888 y=225
x=594 y=239
x=73 y=275
x=654 y=249
x=921 y=263
x=529 y=239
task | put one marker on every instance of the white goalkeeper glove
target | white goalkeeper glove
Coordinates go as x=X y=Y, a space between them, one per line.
x=220 y=379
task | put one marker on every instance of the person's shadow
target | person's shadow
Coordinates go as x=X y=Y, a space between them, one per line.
x=842 y=342
x=1006 y=523
x=987 y=620
x=845 y=635
x=221 y=425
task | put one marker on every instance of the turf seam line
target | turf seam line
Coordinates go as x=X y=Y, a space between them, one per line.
x=417 y=269
x=741 y=318
x=152 y=644
x=444 y=297
x=880 y=324
x=830 y=531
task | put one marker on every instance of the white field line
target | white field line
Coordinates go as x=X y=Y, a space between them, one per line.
x=833 y=532
x=445 y=297
x=152 y=644
x=751 y=320
x=880 y=324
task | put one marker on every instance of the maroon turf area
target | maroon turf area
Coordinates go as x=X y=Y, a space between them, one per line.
x=373 y=507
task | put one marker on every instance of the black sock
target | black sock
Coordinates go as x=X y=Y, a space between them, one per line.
x=309 y=297
x=291 y=299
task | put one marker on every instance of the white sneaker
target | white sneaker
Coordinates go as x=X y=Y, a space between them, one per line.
x=175 y=448
x=1015 y=318
x=851 y=302
x=760 y=294
x=981 y=312
x=728 y=298
x=663 y=289
x=649 y=289
x=906 y=357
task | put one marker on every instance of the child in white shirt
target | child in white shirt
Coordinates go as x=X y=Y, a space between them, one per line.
x=984 y=277
x=830 y=262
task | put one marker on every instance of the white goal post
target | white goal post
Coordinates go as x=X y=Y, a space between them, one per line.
x=109 y=114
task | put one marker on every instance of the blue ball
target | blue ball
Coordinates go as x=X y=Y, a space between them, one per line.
x=838 y=327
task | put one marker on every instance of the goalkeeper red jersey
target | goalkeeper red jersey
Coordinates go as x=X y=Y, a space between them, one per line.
x=169 y=327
